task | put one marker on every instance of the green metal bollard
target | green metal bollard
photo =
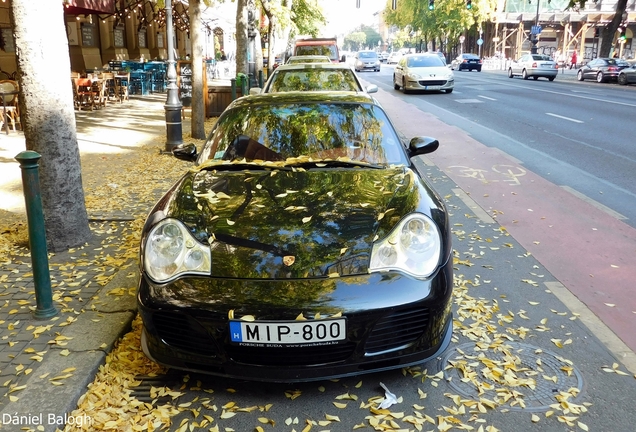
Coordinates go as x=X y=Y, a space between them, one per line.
x=244 y=86
x=260 y=78
x=233 y=85
x=37 y=235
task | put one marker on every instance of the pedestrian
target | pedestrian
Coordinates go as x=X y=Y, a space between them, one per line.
x=223 y=56
x=573 y=61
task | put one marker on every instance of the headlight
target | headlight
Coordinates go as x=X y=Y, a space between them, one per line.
x=171 y=251
x=414 y=246
x=413 y=76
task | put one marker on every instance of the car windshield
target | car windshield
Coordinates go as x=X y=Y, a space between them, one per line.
x=367 y=55
x=320 y=131
x=326 y=50
x=424 y=61
x=540 y=57
x=313 y=80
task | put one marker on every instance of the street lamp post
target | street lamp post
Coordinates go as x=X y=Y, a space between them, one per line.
x=173 y=103
x=535 y=31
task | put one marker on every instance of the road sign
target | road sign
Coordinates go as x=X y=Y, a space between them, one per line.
x=480 y=41
x=462 y=39
x=536 y=29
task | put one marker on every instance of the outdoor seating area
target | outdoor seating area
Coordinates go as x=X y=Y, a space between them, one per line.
x=95 y=91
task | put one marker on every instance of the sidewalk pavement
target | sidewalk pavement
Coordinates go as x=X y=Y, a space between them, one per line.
x=46 y=365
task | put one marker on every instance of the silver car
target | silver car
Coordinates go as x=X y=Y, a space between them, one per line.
x=423 y=72
x=367 y=60
x=535 y=66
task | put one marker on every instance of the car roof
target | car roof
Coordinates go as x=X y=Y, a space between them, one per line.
x=301 y=66
x=301 y=58
x=305 y=97
x=426 y=54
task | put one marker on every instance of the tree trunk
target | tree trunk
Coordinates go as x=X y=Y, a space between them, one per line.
x=48 y=117
x=197 y=122
x=609 y=32
x=241 y=37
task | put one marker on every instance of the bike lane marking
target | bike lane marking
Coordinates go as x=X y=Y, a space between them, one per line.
x=587 y=250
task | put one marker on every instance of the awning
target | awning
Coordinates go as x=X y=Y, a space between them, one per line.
x=87 y=7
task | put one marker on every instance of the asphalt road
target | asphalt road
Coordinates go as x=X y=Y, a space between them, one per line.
x=576 y=134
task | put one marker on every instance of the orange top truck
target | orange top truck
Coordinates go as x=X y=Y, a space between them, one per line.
x=319 y=46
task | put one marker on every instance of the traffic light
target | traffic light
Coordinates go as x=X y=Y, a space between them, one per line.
x=431 y=4
x=621 y=34
x=469 y=4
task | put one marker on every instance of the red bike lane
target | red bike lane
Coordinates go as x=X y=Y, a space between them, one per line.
x=590 y=252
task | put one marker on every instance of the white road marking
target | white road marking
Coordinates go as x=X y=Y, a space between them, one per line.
x=565 y=118
x=486 y=97
x=468 y=101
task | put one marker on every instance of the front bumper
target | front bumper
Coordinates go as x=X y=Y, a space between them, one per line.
x=438 y=84
x=392 y=321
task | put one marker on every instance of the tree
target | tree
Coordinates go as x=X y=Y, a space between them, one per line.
x=355 y=41
x=609 y=31
x=241 y=36
x=197 y=120
x=372 y=36
x=48 y=117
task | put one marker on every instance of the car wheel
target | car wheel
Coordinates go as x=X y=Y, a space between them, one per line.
x=449 y=91
x=579 y=75
x=479 y=70
x=510 y=75
x=622 y=79
x=396 y=86
x=524 y=74
x=404 y=86
x=600 y=78
x=550 y=78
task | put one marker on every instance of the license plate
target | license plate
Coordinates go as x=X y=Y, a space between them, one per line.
x=288 y=333
x=432 y=87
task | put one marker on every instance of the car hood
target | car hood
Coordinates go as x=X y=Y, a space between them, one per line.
x=311 y=223
x=432 y=72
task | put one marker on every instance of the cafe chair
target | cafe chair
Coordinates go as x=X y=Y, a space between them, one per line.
x=122 y=84
x=11 y=110
x=83 y=93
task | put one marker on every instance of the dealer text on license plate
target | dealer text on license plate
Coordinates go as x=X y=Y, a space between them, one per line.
x=288 y=332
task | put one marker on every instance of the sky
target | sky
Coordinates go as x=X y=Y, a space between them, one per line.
x=343 y=16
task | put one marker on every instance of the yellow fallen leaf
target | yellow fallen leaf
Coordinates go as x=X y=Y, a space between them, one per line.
x=535 y=418
x=610 y=304
x=306 y=219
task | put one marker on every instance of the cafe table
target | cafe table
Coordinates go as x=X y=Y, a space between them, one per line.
x=4 y=93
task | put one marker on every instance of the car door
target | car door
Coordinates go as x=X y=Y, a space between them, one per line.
x=517 y=66
x=592 y=68
x=399 y=71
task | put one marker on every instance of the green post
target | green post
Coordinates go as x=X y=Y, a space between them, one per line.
x=260 y=78
x=244 y=86
x=37 y=235
x=233 y=85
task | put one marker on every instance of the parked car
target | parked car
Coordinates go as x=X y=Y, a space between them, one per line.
x=394 y=57
x=302 y=245
x=313 y=77
x=384 y=56
x=535 y=66
x=467 y=62
x=602 y=69
x=627 y=75
x=423 y=72
x=308 y=59
x=365 y=60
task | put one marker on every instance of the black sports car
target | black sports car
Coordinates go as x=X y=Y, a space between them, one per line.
x=302 y=245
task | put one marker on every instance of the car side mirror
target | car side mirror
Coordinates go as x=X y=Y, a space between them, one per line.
x=343 y=59
x=255 y=90
x=186 y=152
x=371 y=88
x=422 y=145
